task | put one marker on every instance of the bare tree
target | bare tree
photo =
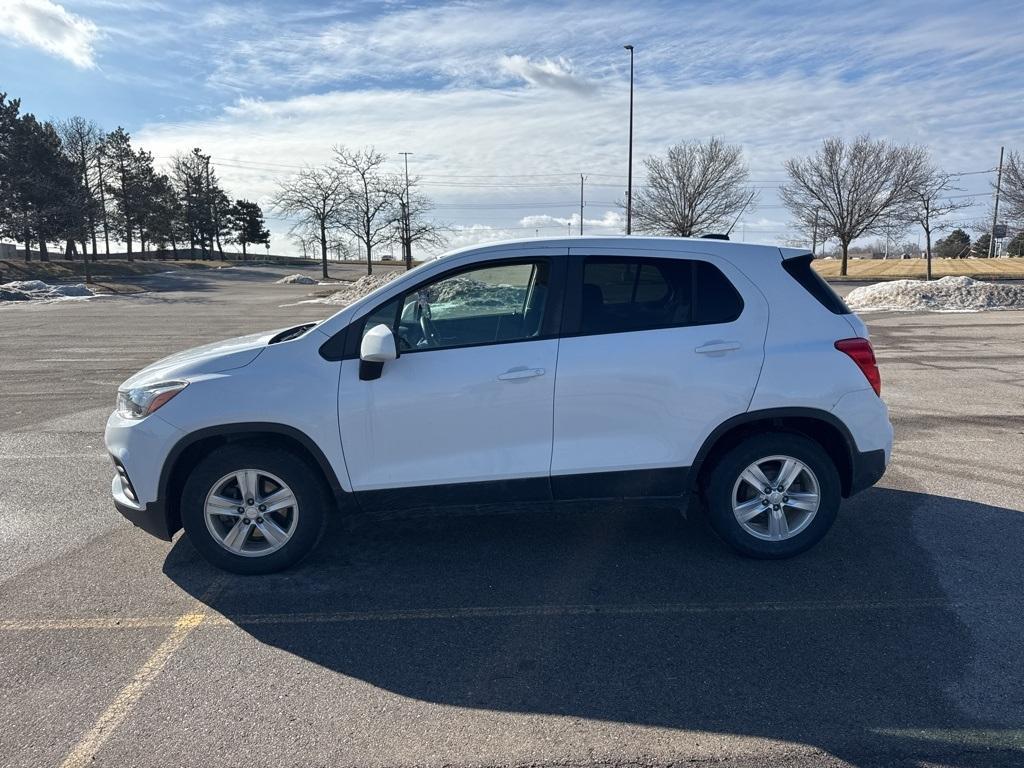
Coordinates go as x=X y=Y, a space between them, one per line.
x=306 y=240
x=1013 y=187
x=697 y=187
x=930 y=202
x=81 y=140
x=372 y=205
x=853 y=188
x=188 y=174
x=314 y=197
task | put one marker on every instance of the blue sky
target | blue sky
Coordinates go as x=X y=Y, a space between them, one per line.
x=505 y=104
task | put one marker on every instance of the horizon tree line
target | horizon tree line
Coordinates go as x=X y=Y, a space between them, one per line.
x=846 y=190
x=70 y=181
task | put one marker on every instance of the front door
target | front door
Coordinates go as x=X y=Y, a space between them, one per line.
x=468 y=402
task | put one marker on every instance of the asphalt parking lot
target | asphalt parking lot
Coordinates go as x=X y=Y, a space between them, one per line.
x=611 y=636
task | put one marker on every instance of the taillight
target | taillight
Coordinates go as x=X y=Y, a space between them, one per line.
x=860 y=351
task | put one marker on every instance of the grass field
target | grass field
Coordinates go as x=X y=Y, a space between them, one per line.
x=898 y=269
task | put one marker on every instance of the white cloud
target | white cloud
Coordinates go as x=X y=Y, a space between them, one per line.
x=51 y=28
x=611 y=220
x=479 y=93
x=547 y=73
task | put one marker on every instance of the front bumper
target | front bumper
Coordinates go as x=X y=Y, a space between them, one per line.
x=140 y=448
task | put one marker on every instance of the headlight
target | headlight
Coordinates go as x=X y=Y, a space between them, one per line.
x=139 y=402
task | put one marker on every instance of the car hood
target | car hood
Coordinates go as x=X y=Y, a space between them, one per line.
x=209 y=358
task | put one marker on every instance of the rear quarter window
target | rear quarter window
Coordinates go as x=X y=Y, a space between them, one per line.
x=715 y=298
x=800 y=269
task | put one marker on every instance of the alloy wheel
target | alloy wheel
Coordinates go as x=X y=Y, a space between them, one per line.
x=251 y=512
x=775 y=498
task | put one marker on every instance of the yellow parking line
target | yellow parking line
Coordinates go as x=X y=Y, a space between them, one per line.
x=213 y=619
x=583 y=610
x=114 y=715
x=140 y=622
x=84 y=752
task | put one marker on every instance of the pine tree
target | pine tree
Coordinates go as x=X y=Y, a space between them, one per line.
x=1016 y=246
x=42 y=198
x=123 y=182
x=980 y=248
x=956 y=245
x=247 y=225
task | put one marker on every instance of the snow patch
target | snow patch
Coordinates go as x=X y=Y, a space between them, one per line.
x=948 y=294
x=356 y=289
x=299 y=279
x=26 y=290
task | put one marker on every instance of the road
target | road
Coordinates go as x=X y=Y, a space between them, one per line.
x=570 y=636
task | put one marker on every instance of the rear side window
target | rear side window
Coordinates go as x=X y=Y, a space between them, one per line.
x=800 y=269
x=622 y=294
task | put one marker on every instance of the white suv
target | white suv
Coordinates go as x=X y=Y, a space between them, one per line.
x=534 y=371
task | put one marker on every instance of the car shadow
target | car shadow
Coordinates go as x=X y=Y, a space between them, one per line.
x=629 y=615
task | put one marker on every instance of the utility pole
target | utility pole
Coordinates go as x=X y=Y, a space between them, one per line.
x=814 y=234
x=406 y=224
x=103 y=205
x=629 y=172
x=995 y=213
x=209 y=200
x=582 y=178
x=404 y=233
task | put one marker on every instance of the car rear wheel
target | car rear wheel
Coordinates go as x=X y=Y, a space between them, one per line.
x=253 y=509
x=773 y=496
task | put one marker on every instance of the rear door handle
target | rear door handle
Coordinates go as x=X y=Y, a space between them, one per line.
x=717 y=346
x=520 y=373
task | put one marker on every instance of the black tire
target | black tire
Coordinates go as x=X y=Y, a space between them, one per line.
x=311 y=494
x=727 y=470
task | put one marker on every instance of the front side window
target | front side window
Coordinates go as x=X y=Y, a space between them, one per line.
x=486 y=305
x=625 y=294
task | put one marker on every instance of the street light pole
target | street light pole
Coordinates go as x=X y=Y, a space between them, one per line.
x=406 y=225
x=629 y=176
x=582 y=177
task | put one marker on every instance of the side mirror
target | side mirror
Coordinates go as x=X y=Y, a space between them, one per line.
x=378 y=347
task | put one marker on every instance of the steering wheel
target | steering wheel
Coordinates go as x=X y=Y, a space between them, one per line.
x=426 y=324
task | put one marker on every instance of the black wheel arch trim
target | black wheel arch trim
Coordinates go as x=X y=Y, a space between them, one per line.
x=850 y=484
x=238 y=430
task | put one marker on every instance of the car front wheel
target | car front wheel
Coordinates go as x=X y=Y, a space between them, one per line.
x=252 y=509
x=774 y=495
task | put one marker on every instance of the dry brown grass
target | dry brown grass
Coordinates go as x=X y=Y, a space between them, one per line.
x=897 y=269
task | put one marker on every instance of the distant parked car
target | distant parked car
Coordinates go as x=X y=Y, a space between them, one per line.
x=535 y=371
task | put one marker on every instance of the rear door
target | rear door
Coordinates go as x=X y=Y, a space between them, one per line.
x=657 y=350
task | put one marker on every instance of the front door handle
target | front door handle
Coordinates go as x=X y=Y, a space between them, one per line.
x=713 y=347
x=520 y=373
